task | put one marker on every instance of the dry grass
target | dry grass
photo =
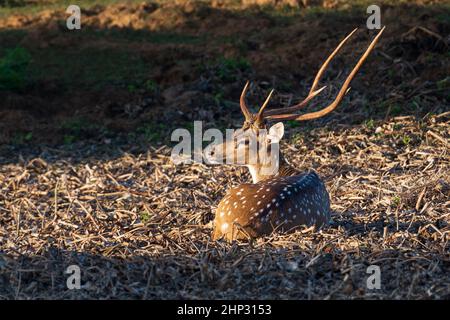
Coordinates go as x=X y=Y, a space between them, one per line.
x=139 y=227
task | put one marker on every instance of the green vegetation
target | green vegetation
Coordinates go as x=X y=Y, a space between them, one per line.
x=443 y=84
x=12 y=3
x=227 y=68
x=293 y=123
x=69 y=139
x=144 y=216
x=148 y=86
x=77 y=128
x=444 y=17
x=370 y=124
x=152 y=132
x=396 y=109
x=396 y=200
x=218 y=98
x=151 y=86
x=297 y=138
x=89 y=67
x=13 y=69
x=406 y=140
x=22 y=138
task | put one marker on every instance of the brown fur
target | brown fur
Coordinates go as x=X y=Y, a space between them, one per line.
x=278 y=203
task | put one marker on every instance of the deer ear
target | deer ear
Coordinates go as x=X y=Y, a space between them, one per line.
x=276 y=132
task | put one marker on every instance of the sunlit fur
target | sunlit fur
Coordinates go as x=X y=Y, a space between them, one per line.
x=279 y=200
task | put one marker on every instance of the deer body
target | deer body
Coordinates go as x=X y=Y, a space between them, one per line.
x=280 y=197
x=278 y=203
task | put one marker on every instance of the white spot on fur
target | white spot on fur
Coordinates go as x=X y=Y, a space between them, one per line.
x=224 y=227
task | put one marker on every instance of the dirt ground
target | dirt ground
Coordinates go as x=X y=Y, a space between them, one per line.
x=85 y=170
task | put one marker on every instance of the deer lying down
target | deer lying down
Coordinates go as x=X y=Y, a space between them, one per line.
x=280 y=197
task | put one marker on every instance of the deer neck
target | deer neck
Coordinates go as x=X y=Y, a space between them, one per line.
x=260 y=173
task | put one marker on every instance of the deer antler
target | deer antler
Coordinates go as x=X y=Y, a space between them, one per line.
x=281 y=114
x=260 y=115
x=313 y=92
x=244 y=108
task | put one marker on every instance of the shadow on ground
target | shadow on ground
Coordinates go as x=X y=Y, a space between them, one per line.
x=144 y=69
x=220 y=273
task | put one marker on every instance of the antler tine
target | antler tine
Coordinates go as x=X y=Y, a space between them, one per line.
x=313 y=92
x=295 y=107
x=340 y=95
x=260 y=115
x=327 y=62
x=243 y=104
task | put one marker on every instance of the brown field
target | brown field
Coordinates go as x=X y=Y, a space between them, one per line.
x=85 y=170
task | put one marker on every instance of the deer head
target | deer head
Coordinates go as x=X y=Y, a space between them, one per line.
x=254 y=144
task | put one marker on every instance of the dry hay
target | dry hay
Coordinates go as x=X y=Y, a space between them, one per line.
x=139 y=226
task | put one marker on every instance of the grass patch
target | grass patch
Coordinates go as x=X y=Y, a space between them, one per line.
x=406 y=140
x=78 y=128
x=13 y=69
x=227 y=68
x=369 y=124
x=153 y=132
x=89 y=67
x=293 y=124
x=144 y=216
x=22 y=138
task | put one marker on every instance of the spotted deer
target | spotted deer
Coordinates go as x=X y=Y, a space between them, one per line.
x=280 y=197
